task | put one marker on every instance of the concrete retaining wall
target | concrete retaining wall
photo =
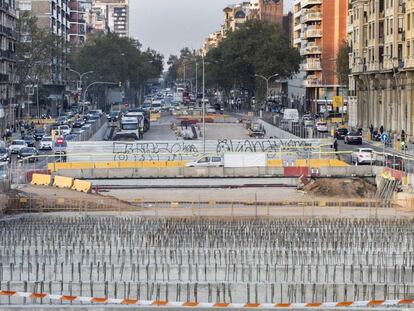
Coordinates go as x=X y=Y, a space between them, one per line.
x=213 y=172
x=273 y=131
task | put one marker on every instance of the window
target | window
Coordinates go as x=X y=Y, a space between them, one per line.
x=204 y=160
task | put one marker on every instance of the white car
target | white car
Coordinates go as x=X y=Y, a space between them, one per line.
x=211 y=110
x=64 y=130
x=17 y=145
x=322 y=127
x=213 y=161
x=46 y=143
x=363 y=156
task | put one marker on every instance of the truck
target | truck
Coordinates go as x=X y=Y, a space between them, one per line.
x=131 y=127
x=231 y=160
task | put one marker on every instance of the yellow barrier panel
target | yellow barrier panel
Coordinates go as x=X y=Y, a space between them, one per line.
x=51 y=167
x=82 y=165
x=63 y=182
x=82 y=186
x=176 y=163
x=156 y=164
x=275 y=163
x=338 y=163
x=41 y=180
x=106 y=164
x=63 y=166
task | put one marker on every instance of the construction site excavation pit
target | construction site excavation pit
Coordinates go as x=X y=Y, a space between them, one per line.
x=277 y=260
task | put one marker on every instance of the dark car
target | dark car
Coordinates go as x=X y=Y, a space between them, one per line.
x=38 y=134
x=341 y=133
x=29 y=140
x=353 y=138
x=78 y=124
x=29 y=153
x=113 y=116
x=4 y=155
x=71 y=137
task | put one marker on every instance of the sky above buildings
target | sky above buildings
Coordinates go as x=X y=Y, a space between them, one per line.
x=169 y=25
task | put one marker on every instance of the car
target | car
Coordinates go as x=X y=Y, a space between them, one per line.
x=62 y=120
x=97 y=112
x=38 y=134
x=78 y=123
x=28 y=153
x=63 y=130
x=113 y=116
x=46 y=143
x=363 y=156
x=4 y=155
x=353 y=138
x=77 y=131
x=93 y=118
x=322 y=127
x=341 y=132
x=16 y=145
x=60 y=147
x=211 y=110
x=30 y=141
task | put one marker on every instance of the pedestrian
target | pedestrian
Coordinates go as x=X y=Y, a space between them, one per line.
x=381 y=130
x=335 y=147
x=371 y=130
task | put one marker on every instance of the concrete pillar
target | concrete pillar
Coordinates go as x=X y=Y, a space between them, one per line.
x=388 y=105
x=394 y=124
x=409 y=106
x=403 y=107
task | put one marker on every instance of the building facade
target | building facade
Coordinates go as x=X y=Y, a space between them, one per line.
x=236 y=15
x=381 y=36
x=8 y=38
x=109 y=16
x=77 y=31
x=320 y=28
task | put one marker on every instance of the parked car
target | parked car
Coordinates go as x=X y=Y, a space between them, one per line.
x=363 y=156
x=28 y=153
x=17 y=145
x=46 y=143
x=353 y=138
x=38 y=134
x=30 y=141
x=340 y=133
x=4 y=155
x=322 y=127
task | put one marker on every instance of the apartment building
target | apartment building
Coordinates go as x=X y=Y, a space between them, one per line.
x=236 y=15
x=109 y=16
x=7 y=61
x=319 y=30
x=382 y=64
x=77 y=31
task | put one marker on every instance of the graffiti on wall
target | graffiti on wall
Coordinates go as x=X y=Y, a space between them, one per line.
x=152 y=151
x=264 y=145
x=180 y=150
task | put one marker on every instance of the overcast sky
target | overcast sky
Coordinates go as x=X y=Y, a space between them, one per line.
x=169 y=25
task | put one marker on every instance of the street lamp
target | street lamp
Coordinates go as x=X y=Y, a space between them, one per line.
x=267 y=82
x=95 y=83
x=81 y=75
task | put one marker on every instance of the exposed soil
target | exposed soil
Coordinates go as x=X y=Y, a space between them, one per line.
x=344 y=188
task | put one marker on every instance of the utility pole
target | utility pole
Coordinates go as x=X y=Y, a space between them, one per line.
x=204 y=110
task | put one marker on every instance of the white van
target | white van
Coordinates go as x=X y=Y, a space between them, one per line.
x=291 y=115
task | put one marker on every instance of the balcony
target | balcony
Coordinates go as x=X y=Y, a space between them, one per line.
x=313 y=66
x=4 y=78
x=312 y=82
x=311 y=17
x=307 y=3
x=309 y=50
x=313 y=33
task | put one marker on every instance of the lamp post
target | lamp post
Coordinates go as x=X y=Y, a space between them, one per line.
x=81 y=75
x=95 y=83
x=267 y=82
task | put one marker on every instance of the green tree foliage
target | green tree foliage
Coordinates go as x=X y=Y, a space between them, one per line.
x=35 y=48
x=116 y=59
x=342 y=64
x=258 y=47
x=176 y=67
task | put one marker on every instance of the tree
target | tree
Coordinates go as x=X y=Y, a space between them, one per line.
x=117 y=59
x=342 y=64
x=35 y=48
x=257 y=47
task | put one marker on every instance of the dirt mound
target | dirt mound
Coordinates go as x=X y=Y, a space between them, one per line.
x=344 y=188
